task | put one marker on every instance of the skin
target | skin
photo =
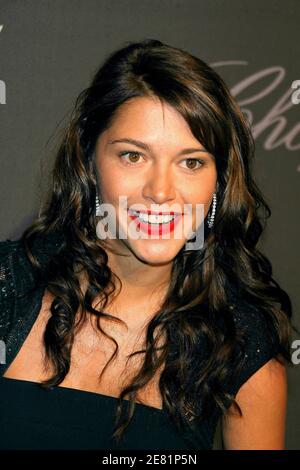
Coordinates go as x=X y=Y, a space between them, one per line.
x=263 y=400
x=158 y=176
x=162 y=177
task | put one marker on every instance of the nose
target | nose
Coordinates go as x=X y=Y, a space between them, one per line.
x=159 y=185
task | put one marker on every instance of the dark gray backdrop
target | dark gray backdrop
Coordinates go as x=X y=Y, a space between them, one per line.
x=49 y=51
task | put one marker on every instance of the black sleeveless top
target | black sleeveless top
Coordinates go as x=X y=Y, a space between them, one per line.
x=65 y=418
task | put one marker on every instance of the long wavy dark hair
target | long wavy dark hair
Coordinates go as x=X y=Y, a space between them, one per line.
x=197 y=301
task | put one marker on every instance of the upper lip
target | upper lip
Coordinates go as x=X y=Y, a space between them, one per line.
x=148 y=212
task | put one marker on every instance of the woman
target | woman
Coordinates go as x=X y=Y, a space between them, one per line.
x=182 y=335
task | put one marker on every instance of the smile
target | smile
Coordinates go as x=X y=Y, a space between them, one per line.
x=154 y=224
x=152 y=219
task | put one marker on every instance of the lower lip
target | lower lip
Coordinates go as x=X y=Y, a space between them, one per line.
x=156 y=229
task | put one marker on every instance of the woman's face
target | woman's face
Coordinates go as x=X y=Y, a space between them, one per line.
x=157 y=175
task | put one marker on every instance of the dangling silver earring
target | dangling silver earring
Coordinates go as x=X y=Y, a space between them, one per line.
x=210 y=220
x=98 y=210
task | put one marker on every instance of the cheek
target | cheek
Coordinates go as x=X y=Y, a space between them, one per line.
x=199 y=195
x=200 y=192
x=114 y=183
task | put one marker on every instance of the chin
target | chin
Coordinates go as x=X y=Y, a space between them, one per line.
x=155 y=252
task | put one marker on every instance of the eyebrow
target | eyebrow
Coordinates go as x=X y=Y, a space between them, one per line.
x=147 y=147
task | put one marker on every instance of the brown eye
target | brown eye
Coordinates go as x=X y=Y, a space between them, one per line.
x=133 y=156
x=192 y=163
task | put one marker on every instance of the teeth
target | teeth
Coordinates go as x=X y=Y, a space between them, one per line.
x=154 y=219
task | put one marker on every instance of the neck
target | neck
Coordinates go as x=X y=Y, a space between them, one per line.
x=139 y=279
x=144 y=286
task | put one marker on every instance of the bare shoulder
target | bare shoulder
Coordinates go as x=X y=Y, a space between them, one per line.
x=262 y=399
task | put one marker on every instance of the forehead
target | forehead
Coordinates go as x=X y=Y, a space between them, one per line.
x=149 y=118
